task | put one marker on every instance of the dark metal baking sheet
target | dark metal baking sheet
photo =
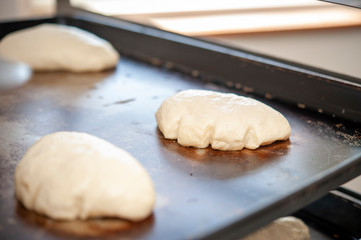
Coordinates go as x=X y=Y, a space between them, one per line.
x=201 y=193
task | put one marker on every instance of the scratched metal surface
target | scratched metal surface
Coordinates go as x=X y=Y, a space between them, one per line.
x=199 y=191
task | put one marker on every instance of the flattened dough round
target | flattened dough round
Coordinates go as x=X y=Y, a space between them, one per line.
x=200 y=118
x=52 y=47
x=70 y=175
x=285 y=228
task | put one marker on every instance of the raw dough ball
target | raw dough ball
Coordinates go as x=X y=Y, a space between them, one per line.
x=226 y=121
x=70 y=175
x=51 y=47
x=286 y=228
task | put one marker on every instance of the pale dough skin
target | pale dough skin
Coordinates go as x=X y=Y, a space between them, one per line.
x=71 y=175
x=53 y=47
x=285 y=228
x=226 y=121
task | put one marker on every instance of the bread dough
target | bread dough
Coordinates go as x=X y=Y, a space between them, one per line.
x=70 y=175
x=286 y=228
x=51 y=47
x=225 y=121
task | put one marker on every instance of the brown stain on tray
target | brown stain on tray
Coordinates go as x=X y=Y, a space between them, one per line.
x=208 y=162
x=97 y=227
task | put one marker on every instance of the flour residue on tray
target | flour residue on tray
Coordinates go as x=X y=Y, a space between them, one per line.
x=338 y=132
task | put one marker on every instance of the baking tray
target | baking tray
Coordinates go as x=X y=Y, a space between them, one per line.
x=201 y=193
x=337 y=215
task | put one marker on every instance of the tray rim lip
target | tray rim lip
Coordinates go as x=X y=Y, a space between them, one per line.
x=347 y=86
x=83 y=15
x=321 y=177
x=319 y=180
